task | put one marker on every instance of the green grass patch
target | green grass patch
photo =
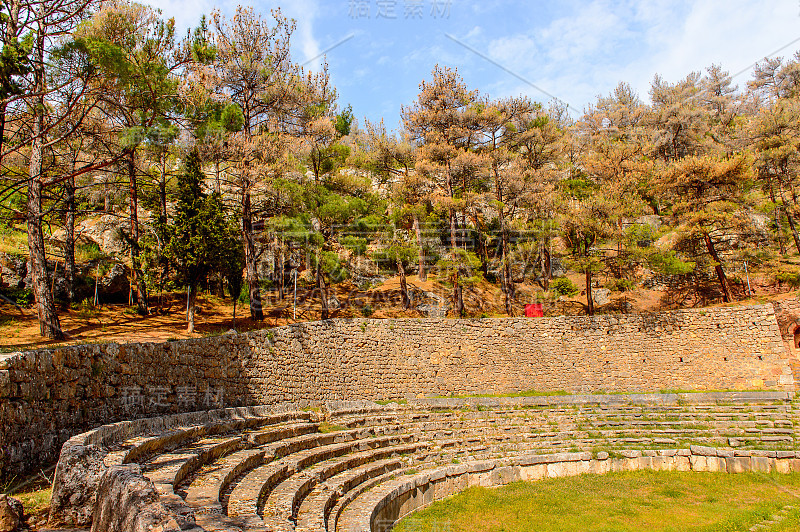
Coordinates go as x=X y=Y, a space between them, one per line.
x=527 y=393
x=36 y=503
x=14 y=240
x=619 y=502
x=390 y=401
x=326 y=427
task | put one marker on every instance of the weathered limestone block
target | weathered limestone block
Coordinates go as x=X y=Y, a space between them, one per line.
x=74 y=485
x=760 y=464
x=11 y=514
x=128 y=502
x=737 y=464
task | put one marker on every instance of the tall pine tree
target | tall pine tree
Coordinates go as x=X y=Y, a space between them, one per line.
x=199 y=235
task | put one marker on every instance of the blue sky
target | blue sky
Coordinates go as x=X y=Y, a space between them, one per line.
x=572 y=49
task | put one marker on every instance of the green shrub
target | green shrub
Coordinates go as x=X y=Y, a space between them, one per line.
x=23 y=297
x=792 y=279
x=89 y=252
x=358 y=246
x=564 y=287
x=620 y=285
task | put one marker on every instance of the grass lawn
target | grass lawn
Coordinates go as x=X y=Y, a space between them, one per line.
x=620 y=502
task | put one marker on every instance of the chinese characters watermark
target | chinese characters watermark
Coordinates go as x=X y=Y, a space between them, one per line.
x=396 y=9
x=184 y=397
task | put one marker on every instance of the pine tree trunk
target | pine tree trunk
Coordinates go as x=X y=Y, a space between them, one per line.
x=138 y=277
x=458 y=301
x=3 y=108
x=789 y=218
x=589 y=297
x=234 y=314
x=723 y=280
x=423 y=274
x=256 y=310
x=458 y=296
x=163 y=273
x=191 y=297
x=453 y=222
x=12 y=26
x=779 y=228
x=547 y=266
x=778 y=221
x=49 y=325
x=69 y=241
x=507 y=281
x=793 y=228
x=403 y=285
x=483 y=251
x=281 y=270
x=323 y=291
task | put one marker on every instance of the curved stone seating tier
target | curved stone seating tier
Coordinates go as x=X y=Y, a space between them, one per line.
x=361 y=466
x=383 y=506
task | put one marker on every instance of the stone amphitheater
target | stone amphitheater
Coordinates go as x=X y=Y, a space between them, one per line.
x=351 y=425
x=361 y=467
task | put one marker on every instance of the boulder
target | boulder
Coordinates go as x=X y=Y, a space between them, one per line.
x=601 y=296
x=11 y=514
x=429 y=304
x=653 y=220
x=433 y=311
x=114 y=285
x=557 y=268
x=14 y=271
x=333 y=303
x=107 y=231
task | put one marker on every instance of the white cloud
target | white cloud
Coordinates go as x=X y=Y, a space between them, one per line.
x=514 y=51
x=477 y=31
x=599 y=44
x=304 y=12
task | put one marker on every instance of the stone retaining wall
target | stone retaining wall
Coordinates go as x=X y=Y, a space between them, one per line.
x=47 y=396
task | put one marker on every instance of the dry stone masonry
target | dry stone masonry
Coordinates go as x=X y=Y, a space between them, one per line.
x=47 y=396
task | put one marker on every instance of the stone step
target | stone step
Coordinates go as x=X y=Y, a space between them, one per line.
x=204 y=494
x=283 y=432
x=166 y=471
x=142 y=447
x=525 y=416
x=283 y=503
x=284 y=458
x=336 y=513
x=316 y=508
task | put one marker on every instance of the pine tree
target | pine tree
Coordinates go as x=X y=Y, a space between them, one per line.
x=199 y=233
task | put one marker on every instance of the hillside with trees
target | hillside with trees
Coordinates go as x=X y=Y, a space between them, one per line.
x=140 y=167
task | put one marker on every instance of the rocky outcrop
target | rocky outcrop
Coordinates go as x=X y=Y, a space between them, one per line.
x=107 y=231
x=601 y=296
x=14 y=271
x=113 y=284
x=429 y=304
